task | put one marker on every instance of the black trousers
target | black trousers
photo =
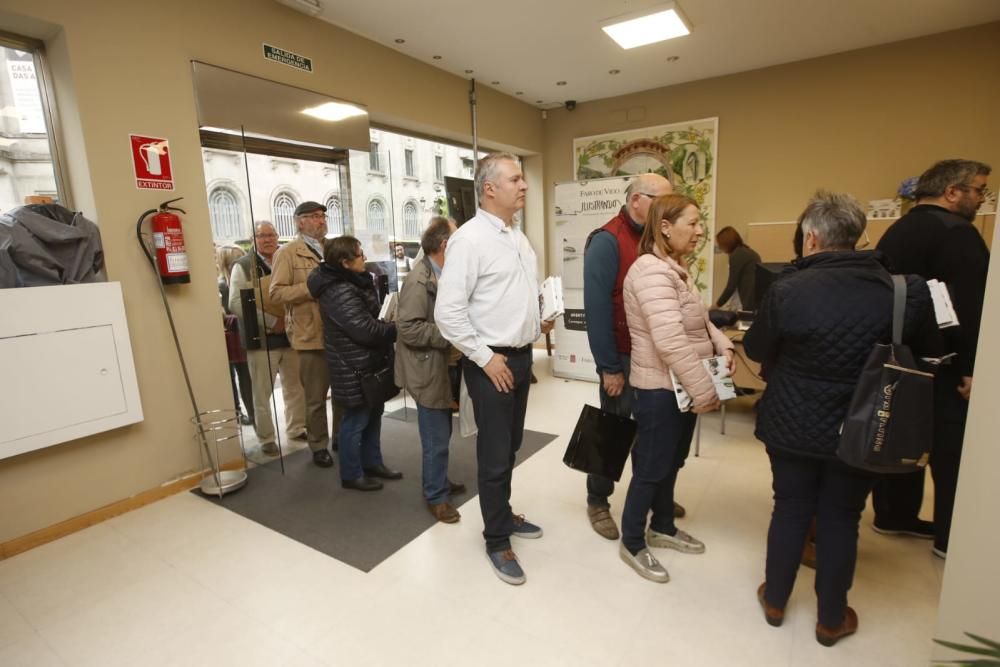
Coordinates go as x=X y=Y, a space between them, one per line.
x=896 y=499
x=500 y=420
x=833 y=493
x=600 y=488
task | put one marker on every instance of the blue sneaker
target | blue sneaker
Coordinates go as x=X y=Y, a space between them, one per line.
x=506 y=567
x=525 y=529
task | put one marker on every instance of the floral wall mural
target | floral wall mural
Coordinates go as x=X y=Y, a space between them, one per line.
x=685 y=153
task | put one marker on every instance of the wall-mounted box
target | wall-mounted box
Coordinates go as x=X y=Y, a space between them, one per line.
x=67 y=365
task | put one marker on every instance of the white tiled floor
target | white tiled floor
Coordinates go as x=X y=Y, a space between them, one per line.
x=184 y=582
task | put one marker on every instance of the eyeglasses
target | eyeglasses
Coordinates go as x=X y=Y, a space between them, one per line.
x=319 y=215
x=646 y=194
x=981 y=190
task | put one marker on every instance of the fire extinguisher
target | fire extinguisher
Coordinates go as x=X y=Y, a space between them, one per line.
x=168 y=242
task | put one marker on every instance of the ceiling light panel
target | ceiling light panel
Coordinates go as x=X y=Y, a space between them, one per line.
x=334 y=111
x=659 y=24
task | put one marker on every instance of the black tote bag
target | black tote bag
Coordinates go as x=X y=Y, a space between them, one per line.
x=600 y=443
x=889 y=424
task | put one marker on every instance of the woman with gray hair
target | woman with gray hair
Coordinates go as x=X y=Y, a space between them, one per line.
x=812 y=334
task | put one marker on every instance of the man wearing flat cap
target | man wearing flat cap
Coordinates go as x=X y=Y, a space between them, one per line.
x=292 y=265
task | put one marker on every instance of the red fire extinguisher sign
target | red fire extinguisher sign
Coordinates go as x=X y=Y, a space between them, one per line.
x=151 y=163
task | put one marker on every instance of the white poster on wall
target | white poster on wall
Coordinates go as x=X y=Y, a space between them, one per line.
x=580 y=208
x=24 y=86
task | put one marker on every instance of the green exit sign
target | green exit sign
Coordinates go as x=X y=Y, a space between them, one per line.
x=288 y=58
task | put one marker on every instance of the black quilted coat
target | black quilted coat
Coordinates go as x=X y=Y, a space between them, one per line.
x=353 y=336
x=812 y=334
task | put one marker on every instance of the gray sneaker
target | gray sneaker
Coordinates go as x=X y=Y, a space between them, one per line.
x=525 y=529
x=506 y=567
x=681 y=541
x=645 y=564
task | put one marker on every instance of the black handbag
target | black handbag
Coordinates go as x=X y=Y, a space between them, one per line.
x=377 y=386
x=600 y=443
x=889 y=424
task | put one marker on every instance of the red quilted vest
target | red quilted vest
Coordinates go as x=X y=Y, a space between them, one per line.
x=622 y=229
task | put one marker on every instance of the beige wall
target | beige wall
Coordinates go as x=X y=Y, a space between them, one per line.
x=971 y=587
x=125 y=67
x=858 y=122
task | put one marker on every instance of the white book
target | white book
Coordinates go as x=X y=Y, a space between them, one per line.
x=718 y=369
x=552 y=298
x=944 y=310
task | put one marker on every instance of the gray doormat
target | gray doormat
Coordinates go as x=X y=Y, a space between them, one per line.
x=308 y=505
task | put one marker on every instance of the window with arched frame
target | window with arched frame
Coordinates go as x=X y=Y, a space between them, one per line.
x=224 y=213
x=283 y=214
x=376 y=215
x=334 y=217
x=411 y=220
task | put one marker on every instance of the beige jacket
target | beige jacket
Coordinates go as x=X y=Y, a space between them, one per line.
x=422 y=353
x=670 y=328
x=292 y=265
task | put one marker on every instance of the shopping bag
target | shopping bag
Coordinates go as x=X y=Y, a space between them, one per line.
x=600 y=443
x=889 y=424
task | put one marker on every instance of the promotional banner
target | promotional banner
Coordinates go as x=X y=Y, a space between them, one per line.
x=580 y=208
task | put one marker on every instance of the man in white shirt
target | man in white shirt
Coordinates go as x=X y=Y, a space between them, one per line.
x=487 y=307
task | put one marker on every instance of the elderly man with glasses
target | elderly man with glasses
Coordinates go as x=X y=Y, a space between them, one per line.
x=292 y=265
x=609 y=254
x=936 y=239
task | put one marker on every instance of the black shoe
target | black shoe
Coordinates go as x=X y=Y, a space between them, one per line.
x=334 y=445
x=361 y=484
x=534 y=380
x=246 y=420
x=323 y=459
x=382 y=472
x=455 y=488
x=916 y=528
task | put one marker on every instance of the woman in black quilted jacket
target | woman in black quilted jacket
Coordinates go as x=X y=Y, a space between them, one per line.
x=812 y=334
x=355 y=341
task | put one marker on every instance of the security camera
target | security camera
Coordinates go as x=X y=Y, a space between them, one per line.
x=570 y=105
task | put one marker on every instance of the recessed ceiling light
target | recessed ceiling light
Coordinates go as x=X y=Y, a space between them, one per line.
x=400 y=41
x=495 y=83
x=614 y=71
x=661 y=23
x=673 y=59
x=436 y=57
x=469 y=71
x=334 y=111
x=560 y=83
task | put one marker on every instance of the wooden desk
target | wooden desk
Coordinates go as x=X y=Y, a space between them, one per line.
x=747 y=373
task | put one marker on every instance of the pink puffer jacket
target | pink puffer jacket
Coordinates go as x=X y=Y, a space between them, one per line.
x=670 y=328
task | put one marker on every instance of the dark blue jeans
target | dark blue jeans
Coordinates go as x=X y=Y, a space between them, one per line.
x=661 y=446
x=600 y=488
x=805 y=487
x=500 y=420
x=435 y=433
x=360 y=440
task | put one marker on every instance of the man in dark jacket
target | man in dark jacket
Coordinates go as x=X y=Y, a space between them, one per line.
x=609 y=254
x=936 y=239
x=422 y=356
x=813 y=332
x=355 y=342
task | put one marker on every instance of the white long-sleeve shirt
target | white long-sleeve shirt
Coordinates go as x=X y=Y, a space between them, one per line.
x=488 y=291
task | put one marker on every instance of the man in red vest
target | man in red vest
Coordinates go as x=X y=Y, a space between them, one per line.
x=608 y=257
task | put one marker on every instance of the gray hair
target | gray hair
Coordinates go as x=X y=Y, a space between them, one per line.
x=260 y=223
x=946 y=173
x=836 y=219
x=437 y=232
x=487 y=169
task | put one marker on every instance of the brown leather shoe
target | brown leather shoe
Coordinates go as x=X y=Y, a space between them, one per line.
x=455 y=488
x=602 y=523
x=679 y=511
x=809 y=555
x=830 y=636
x=444 y=512
x=773 y=615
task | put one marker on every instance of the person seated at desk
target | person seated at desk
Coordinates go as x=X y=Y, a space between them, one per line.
x=742 y=269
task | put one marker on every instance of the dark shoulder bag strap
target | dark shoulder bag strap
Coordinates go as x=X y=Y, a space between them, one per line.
x=898 y=307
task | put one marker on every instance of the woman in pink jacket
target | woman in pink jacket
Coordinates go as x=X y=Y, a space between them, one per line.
x=670 y=331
